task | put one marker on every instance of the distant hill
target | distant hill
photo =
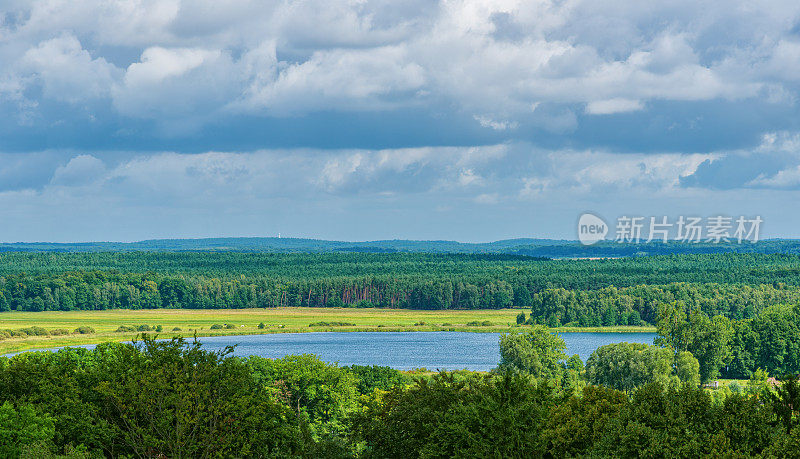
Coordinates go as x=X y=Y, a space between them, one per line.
x=549 y=248
x=281 y=245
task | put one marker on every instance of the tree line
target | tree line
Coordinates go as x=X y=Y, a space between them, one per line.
x=639 y=304
x=560 y=292
x=735 y=349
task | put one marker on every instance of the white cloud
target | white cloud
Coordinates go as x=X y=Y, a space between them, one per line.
x=485 y=174
x=787 y=178
x=414 y=170
x=487 y=122
x=607 y=107
x=219 y=192
x=468 y=177
x=489 y=71
x=586 y=173
x=376 y=78
x=112 y=22
x=68 y=72
x=494 y=61
x=159 y=63
x=177 y=83
x=80 y=170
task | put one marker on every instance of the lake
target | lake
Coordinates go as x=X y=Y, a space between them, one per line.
x=403 y=350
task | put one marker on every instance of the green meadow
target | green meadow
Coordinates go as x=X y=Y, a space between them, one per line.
x=247 y=321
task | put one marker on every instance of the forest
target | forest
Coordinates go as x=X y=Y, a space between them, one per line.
x=173 y=399
x=564 y=292
x=736 y=313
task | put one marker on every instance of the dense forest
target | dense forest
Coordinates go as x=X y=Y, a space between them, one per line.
x=632 y=305
x=736 y=349
x=559 y=292
x=173 y=399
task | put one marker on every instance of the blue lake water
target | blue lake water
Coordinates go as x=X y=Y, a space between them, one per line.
x=404 y=350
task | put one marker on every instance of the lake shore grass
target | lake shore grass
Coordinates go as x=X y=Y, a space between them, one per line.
x=246 y=322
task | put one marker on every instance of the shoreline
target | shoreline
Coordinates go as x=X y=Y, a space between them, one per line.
x=277 y=320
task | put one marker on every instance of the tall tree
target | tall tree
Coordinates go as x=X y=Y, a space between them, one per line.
x=537 y=352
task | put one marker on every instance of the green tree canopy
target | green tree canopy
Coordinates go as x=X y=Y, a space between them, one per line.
x=626 y=366
x=537 y=352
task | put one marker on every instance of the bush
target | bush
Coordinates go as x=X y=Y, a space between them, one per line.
x=59 y=331
x=125 y=329
x=521 y=318
x=261 y=326
x=35 y=331
x=230 y=326
x=17 y=333
x=4 y=335
x=216 y=327
x=84 y=330
x=159 y=328
x=331 y=324
x=477 y=323
x=419 y=324
x=176 y=329
x=143 y=328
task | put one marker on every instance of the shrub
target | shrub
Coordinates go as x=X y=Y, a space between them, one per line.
x=84 y=330
x=477 y=323
x=419 y=324
x=447 y=324
x=143 y=328
x=17 y=333
x=35 y=331
x=4 y=335
x=521 y=318
x=261 y=325
x=176 y=329
x=59 y=331
x=159 y=328
x=216 y=327
x=229 y=326
x=331 y=324
x=125 y=328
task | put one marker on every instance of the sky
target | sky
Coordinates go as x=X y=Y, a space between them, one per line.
x=123 y=120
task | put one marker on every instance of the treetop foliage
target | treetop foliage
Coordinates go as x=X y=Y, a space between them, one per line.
x=559 y=292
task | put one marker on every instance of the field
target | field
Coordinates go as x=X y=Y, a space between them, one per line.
x=246 y=321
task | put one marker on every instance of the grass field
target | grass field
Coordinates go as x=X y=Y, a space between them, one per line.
x=246 y=321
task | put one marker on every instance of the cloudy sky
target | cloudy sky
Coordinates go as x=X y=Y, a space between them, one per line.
x=468 y=120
